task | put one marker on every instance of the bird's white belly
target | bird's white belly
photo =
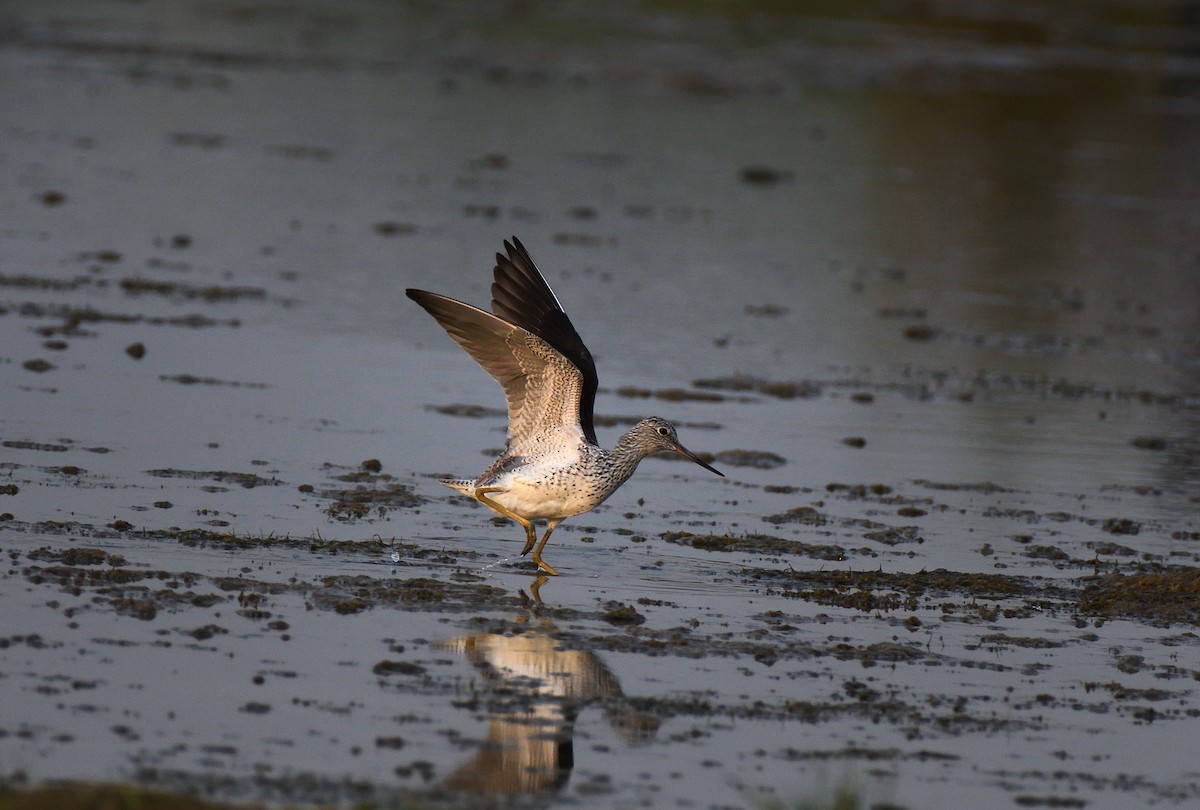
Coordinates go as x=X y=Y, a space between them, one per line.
x=548 y=495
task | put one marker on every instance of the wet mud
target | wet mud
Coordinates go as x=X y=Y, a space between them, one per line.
x=921 y=285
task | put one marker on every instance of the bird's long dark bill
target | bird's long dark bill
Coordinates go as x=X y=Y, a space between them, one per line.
x=683 y=451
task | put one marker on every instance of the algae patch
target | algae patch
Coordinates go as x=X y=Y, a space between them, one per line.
x=1160 y=598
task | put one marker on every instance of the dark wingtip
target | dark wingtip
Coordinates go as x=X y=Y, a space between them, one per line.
x=516 y=250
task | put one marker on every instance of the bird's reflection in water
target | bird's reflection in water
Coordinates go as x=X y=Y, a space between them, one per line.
x=536 y=689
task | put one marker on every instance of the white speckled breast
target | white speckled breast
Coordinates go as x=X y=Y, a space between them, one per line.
x=558 y=485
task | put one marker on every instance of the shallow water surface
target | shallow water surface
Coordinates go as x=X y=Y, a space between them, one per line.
x=926 y=288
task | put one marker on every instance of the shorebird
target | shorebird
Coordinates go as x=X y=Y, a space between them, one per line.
x=552 y=467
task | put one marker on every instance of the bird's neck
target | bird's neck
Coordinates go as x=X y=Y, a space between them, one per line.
x=625 y=456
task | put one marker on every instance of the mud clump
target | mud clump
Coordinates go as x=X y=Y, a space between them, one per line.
x=81 y=796
x=389 y=228
x=670 y=394
x=1112 y=550
x=74 y=318
x=142 y=609
x=353 y=594
x=244 y=480
x=373 y=491
x=348 y=605
x=780 y=389
x=78 y=577
x=466 y=411
x=398 y=668
x=618 y=613
x=920 y=332
x=354 y=504
x=983 y=488
x=206 y=632
x=1028 y=642
x=172 y=289
x=755 y=543
x=192 y=379
x=78 y=556
x=895 y=535
x=1157 y=598
x=19 y=444
x=765 y=310
x=859 y=490
x=757 y=459
x=1122 y=526
x=801 y=514
x=1042 y=552
x=764 y=176
x=879 y=590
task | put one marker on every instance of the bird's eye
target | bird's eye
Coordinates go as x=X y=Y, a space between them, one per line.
x=662 y=431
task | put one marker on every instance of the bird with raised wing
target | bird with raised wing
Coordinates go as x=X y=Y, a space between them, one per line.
x=552 y=467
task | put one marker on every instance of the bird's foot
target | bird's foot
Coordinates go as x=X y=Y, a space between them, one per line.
x=542 y=564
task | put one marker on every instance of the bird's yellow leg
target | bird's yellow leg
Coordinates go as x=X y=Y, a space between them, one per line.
x=481 y=495
x=537 y=555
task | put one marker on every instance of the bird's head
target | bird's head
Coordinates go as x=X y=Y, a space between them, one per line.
x=656 y=434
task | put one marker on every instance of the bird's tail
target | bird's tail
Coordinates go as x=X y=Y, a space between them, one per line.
x=459 y=485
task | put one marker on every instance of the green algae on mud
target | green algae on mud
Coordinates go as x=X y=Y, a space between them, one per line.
x=137 y=285
x=878 y=590
x=181 y=794
x=758 y=459
x=772 y=640
x=143 y=592
x=755 y=543
x=1144 y=592
x=372 y=491
x=1160 y=598
x=73 y=556
x=74 y=317
x=242 y=479
x=352 y=594
x=1157 y=597
x=86 y=796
